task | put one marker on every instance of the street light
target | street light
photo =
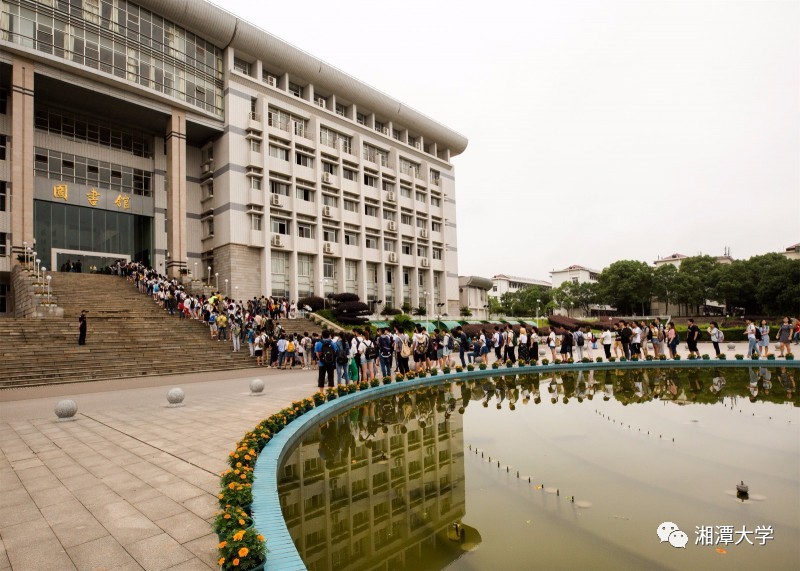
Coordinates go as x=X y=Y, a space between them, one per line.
x=38 y=261
x=208 y=276
x=48 y=289
x=323 y=282
x=216 y=281
x=226 y=288
x=538 y=301
x=194 y=275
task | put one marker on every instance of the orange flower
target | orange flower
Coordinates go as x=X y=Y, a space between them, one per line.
x=247 y=456
x=260 y=537
x=231 y=485
x=222 y=544
x=241 y=522
x=243 y=476
x=238 y=464
x=227 y=516
x=243 y=551
x=221 y=561
x=235 y=562
x=220 y=496
x=238 y=535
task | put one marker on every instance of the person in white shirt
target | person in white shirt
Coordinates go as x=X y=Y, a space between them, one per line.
x=636 y=340
x=607 y=339
x=750 y=331
x=551 y=342
x=522 y=340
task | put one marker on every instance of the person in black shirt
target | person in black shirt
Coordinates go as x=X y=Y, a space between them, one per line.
x=626 y=334
x=692 y=337
x=82 y=321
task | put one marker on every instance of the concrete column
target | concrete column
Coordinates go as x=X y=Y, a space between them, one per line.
x=176 y=193
x=22 y=138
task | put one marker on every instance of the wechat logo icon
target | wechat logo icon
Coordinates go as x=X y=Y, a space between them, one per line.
x=670 y=532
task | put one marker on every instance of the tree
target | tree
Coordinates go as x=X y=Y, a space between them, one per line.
x=776 y=283
x=351 y=312
x=693 y=284
x=314 y=302
x=665 y=278
x=626 y=285
x=418 y=311
x=464 y=311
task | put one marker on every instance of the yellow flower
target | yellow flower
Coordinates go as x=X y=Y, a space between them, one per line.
x=238 y=535
x=220 y=496
x=241 y=522
x=221 y=561
x=235 y=562
x=260 y=537
x=243 y=551
x=247 y=456
x=227 y=516
x=238 y=464
x=243 y=476
x=231 y=485
x=222 y=544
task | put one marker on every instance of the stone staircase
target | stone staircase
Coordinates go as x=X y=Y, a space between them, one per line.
x=128 y=336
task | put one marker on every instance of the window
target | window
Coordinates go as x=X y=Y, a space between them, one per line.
x=422 y=251
x=329 y=168
x=437 y=253
x=304 y=160
x=305 y=194
x=350 y=174
x=370 y=210
x=407 y=248
x=405 y=191
x=255 y=146
x=409 y=168
x=279 y=153
x=397 y=135
x=328 y=200
x=330 y=234
x=350 y=238
x=389 y=245
x=406 y=219
x=280 y=226
x=3 y=196
x=3 y=240
x=3 y=142
x=389 y=215
x=208 y=227
x=341 y=109
x=255 y=183
x=361 y=118
x=305 y=230
x=435 y=176
x=422 y=223
x=276 y=187
x=436 y=226
x=436 y=201
x=351 y=205
x=412 y=141
x=296 y=90
x=255 y=221
x=371 y=242
x=370 y=180
x=420 y=196
x=388 y=186
x=241 y=66
x=379 y=126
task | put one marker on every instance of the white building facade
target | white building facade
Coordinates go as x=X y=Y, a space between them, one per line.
x=502 y=283
x=178 y=134
x=575 y=274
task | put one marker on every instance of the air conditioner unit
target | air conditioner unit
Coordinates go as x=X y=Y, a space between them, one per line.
x=385 y=130
x=392 y=258
x=390 y=197
x=271 y=80
x=326 y=177
x=326 y=211
x=277 y=241
x=321 y=102
x=275 y=200
x=327 y=248
x=392 y=226
x=206 y=167
x=417 y=145
x=423 y=233
x=424 y=262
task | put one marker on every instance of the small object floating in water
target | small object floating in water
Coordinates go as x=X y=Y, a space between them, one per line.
x=742 y=488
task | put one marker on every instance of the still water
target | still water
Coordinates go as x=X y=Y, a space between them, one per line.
x=584 y=470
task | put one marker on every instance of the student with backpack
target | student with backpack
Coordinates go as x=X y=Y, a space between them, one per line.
x=580 y=341
x=385 y=352
x=402 y=350
x=463 y=345
x=326 y=354
x=368 y=353
x=448 y=344
x=672 y=339
x=420 y=343
x=342 y=346
x=716 y=335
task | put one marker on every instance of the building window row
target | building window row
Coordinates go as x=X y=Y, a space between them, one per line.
x=120 y=38
x=78 y=128
x=70 y=168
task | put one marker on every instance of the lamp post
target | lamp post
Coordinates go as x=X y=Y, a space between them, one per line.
x=43 y=269
x=208 y=276
x=538 y=301
x=226 y=288
x=38 y=261
x=194 y=275
x=33 y=260
x=48 y=289
x=322 y=283
x=216 y=281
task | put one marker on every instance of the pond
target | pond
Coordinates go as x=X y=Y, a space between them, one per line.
x=557 y=470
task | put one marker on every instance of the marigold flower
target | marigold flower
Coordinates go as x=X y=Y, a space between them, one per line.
x=220 y=496
x=243 y=476
x=241 y=522
x=238 y=535
x=231 y=485
x=260 y=537
x=222 y=544
x=247 y=456
x=221 y=561
x=227 y=516
x=235 y=562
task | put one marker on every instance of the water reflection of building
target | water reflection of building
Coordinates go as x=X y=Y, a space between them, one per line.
x=357 y=497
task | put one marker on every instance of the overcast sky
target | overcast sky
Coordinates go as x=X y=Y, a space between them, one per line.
x=598 y=130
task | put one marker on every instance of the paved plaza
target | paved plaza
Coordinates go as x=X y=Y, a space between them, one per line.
x=131 y=484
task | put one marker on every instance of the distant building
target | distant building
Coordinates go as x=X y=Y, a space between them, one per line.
x=502 y=283
x=473 y=294
x=576 y=274
x=658 y=307
x=792 y=252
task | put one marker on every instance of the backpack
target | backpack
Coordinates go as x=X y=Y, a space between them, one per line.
x=342 y=356
x=385 y=344
x=422 y=346
x=720 y=336
x=328 y=355
x=450 y=342
x=370 y=353
x=579 y=338
x=758 y=333
x=405 y=350
x=290 y=347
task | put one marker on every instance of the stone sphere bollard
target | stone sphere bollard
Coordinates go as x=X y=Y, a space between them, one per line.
x=175 y=397
x=65 y=410
x=542 y=352
x=731 y=346
x=256 y=387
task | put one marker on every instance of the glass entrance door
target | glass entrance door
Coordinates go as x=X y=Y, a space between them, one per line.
x=84 y=262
